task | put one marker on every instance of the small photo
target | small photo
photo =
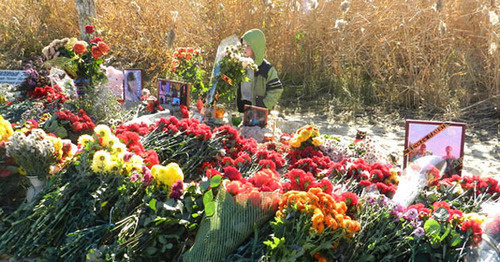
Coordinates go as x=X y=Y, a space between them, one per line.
x=255 y=116
x=438 y=143
x=132 y=85
x=173 y=93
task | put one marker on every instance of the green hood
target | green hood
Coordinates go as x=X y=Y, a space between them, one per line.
x=257 y=41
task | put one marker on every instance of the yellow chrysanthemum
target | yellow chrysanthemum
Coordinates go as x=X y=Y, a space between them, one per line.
x=57 y=142
x=155 y=170
x=169 y=174
x=128 y=167
x=101 y=156
x=110 y=141
x=113 y=167
x=474 y=216
x=5 y=129
x=118 y=149
x=103 y=131
x=317 y=141
x=84 y=139
x=98 y=166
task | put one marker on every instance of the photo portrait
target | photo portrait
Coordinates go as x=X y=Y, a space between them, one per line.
x=173 y=93
x=444 y=141
x=132 y=85
x=255 y=116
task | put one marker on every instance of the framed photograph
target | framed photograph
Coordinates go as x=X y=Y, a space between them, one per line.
x=132 y=85
x=255 y=116
x=442 y=140
x=173 y=93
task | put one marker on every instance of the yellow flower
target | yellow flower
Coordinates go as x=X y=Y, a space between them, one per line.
x=474 y=216
x=84 y=139
x=98 y=166
x=103 y=131
x=21 y=170
x=57 y=142
x=5 y=129
x=317 y=141
x=294 y=142
x=102 y=156
x=112 y=167
x=110 y=141
x=169 y=174
x=118 y=149
x=136 y=160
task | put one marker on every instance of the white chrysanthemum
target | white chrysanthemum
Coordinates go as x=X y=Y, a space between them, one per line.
x=38 y=133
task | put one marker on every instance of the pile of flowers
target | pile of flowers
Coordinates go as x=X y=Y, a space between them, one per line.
x=49 y=95
x=64 y=122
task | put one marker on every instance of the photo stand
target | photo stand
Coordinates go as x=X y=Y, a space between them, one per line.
x=439 y=143
x=255 y=116
x=132 y=86
x=172 y=94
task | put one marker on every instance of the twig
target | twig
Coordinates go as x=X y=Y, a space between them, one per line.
x=478 y=103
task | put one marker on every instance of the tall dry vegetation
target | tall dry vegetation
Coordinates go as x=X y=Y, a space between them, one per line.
x=437 y=55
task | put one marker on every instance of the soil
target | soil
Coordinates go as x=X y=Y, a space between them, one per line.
x=387 y=129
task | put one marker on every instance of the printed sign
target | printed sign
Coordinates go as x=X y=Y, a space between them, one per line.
x=12 y=77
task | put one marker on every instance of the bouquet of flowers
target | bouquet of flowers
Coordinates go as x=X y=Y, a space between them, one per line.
x=35 y=153
x=186 y=64
x=233 y=71
x=64 y=123
x=79 y=59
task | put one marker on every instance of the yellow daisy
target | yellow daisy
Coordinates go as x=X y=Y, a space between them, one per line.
x=103 y=131
x=102 y=156
x=118 y=148
x=98 y=166
x=113 y=167
x=110 y=141
x=84 y=139
x=5 y=129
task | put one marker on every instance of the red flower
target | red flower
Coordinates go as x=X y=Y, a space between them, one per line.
x=474 y=228
x=184 y=111
x=349 y=198
x=439 y=204
x=96 y=40
x=212 y=172
x=233 y=187
x=232 y=173
x=89 y=29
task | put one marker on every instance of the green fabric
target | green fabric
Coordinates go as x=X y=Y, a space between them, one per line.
x=257 y=41
x=221 y=234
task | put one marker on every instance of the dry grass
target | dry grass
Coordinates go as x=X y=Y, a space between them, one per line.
x=389 y=52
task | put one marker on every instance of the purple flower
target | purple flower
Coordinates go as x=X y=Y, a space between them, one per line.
x=177 y=189
x=134 y=177
x=419 y=232
x=147 y=177
x=411 y=214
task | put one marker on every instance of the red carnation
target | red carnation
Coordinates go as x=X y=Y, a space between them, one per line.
x=89 y=29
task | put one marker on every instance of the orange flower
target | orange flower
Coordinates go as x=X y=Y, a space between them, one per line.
x=319 y=257
x=80 y=47
x=103 y=47
x=96 y=52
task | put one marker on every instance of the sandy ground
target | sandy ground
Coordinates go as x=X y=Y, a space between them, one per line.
x=481 y=149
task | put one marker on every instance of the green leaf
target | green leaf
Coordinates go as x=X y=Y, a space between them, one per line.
x=170 y=205
x=204 y=185
x=215 y=181
x=208 y=197
x=210 y=209
x=169 y=246
x=152 y=204
x=432 y=227
x=103 y=204
x=456 y=239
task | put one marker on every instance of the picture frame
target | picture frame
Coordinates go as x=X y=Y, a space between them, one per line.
x=255 y=116
x=132 y=84
x=173 y=93
x=445 y=140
